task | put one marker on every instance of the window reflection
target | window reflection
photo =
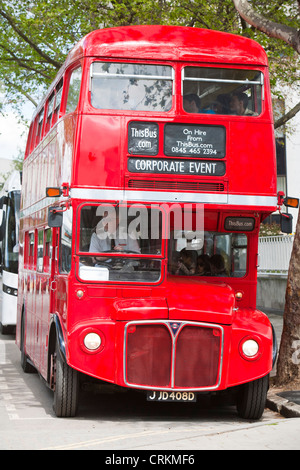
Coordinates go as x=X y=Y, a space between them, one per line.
x=136 y=87
x=11 y=238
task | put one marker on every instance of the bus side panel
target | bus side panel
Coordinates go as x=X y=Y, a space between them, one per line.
x=9 y=301
x=66 y=134
x=99 y=155
x=102 y=363
x=21 y=299
x=94 y=311
x=251 y=150
x=250 y=323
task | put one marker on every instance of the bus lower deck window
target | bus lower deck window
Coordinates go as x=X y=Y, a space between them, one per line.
x=106 y=230
x=135 y=87
x=213 y=254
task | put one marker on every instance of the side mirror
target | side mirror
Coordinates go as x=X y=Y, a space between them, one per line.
x=286 y=223
x=54 y=217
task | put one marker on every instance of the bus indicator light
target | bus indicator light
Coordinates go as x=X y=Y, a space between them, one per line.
x=53 y=192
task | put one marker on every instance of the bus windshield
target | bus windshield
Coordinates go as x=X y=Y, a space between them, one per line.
x=112 y=235
x=135 y=87
x=11 y=251
x=222 y=91
x=215 y=254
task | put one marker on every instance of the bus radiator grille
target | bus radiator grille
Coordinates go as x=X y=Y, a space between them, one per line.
x=188 y=359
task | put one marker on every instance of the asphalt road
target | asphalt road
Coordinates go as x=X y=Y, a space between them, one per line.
x=115 y=423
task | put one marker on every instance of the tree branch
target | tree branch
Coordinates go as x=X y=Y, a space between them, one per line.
x=22 y=63
x=281 y=121
x=272 y=29
x=26 y=39
x=22 y=91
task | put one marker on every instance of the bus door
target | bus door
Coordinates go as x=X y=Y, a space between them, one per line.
x=62 y=251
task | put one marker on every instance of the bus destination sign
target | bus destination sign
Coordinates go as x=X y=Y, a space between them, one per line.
x=194 y=140
x=175 y=166
x=142 y=138
x=239 y=224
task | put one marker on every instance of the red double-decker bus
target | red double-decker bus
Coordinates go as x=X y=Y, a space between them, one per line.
x=138 y=265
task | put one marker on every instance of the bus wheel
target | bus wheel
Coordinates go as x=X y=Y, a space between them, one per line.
x=252 y=397
x=66 y=391
x=26 y=365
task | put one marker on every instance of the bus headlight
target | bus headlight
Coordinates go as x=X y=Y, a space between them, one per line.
x=250 y=348
x=92 y=341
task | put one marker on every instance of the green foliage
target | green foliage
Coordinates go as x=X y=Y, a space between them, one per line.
x=36 y=35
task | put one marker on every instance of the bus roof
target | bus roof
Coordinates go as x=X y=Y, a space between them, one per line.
x=170 y=43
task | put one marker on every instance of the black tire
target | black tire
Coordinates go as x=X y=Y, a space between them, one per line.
x=26 y=365
x=252 y=397
x=66 y=392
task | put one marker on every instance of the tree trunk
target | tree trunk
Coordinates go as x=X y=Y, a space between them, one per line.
x=288 y=366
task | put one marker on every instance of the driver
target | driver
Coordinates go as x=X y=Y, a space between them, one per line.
x=109 y=236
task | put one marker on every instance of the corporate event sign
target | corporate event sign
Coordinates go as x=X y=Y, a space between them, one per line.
x=172 y=166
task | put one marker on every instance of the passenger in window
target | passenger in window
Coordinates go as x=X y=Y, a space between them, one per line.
x=192 y=104
x=187 y=262
x=239 y=103
x=203 y=266
x=109 y=236
x=217 y=265
x=222 y=104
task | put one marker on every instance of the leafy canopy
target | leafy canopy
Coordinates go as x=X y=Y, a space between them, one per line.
x=36 y=35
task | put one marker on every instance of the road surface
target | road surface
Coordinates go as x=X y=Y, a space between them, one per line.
x=115 y=423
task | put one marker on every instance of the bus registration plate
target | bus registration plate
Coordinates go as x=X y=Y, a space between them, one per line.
x=160 y=395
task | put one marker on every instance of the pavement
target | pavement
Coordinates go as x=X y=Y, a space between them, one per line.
x=286 y=402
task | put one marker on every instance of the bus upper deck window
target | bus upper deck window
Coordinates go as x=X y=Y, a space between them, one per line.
x=58 y=97
x=74 y=90
x=50 y=111
x=222 y=91
x=135 y=87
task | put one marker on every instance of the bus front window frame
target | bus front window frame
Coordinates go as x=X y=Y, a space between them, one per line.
x=11 y=246
x=116 y=264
